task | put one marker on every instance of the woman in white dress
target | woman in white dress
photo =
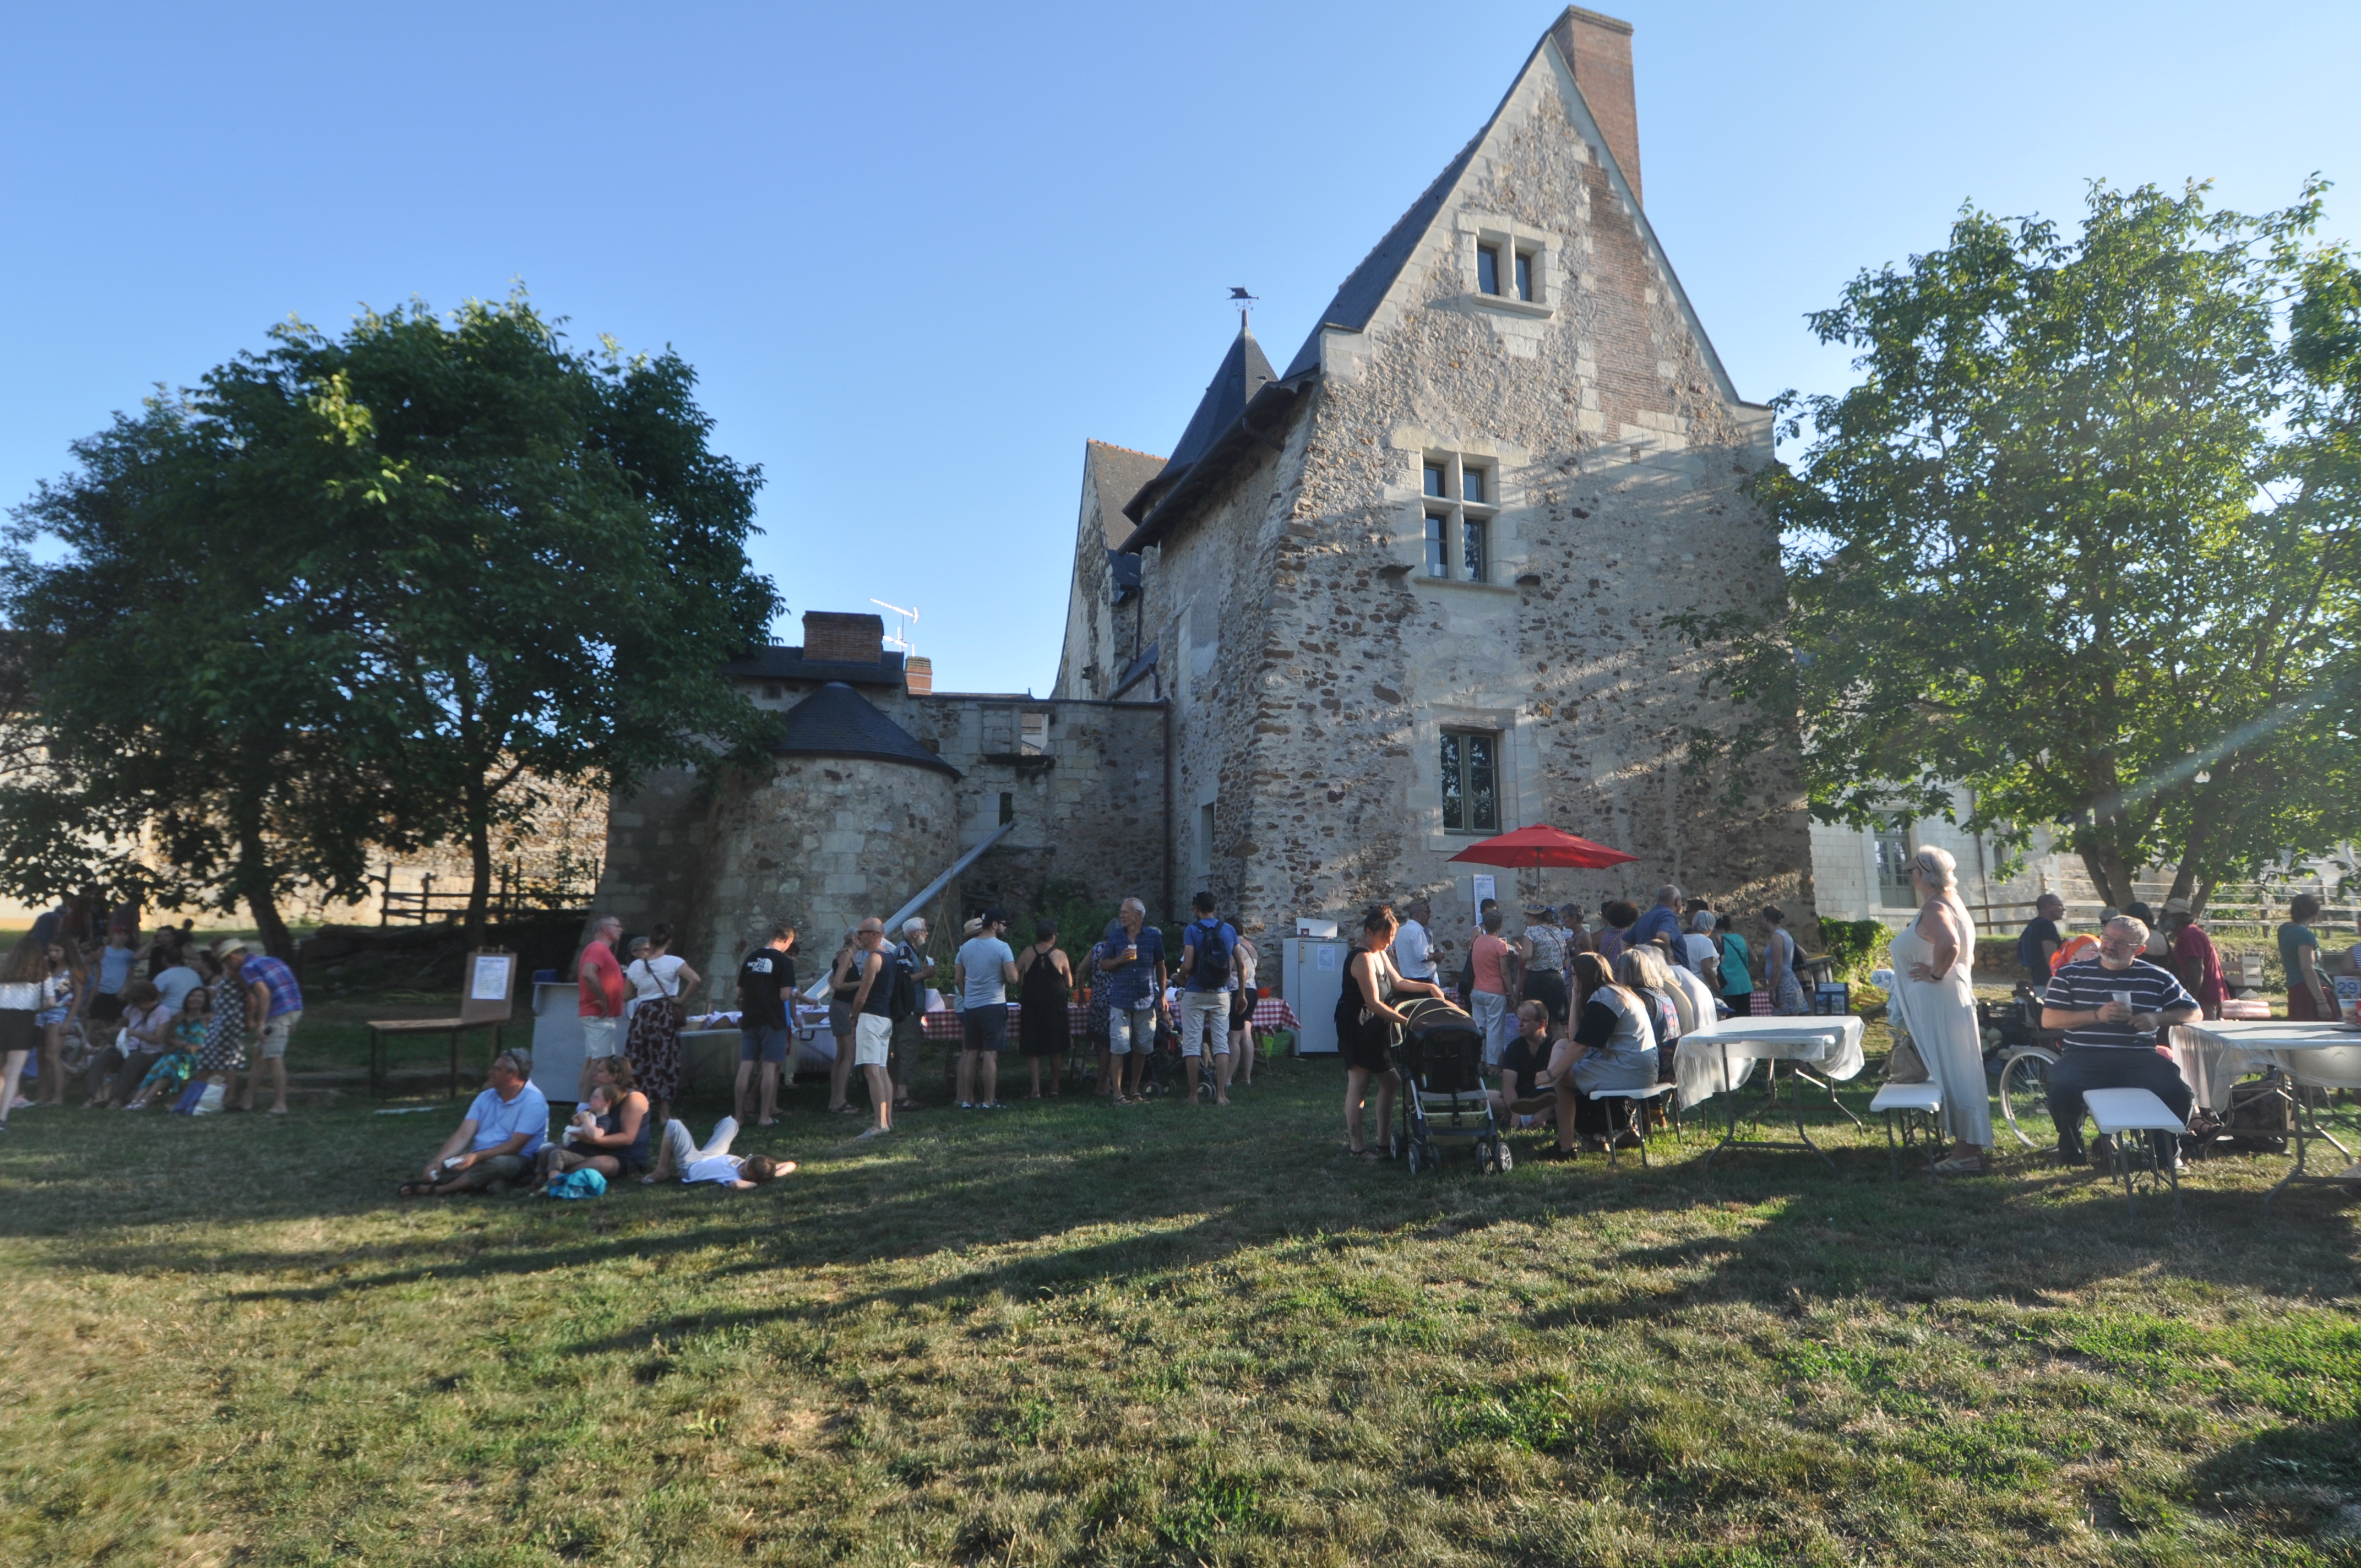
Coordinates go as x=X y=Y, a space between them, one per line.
x=1935 y=955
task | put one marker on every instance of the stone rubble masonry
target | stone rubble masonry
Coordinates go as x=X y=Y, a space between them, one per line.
x=1313 y=666
x=1309 y=665
x=825 y=841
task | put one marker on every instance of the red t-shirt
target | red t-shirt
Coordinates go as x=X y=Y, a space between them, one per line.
x=1487 y=952
x=602 y=983
x=2195 y=947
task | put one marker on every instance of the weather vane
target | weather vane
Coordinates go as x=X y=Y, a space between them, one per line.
x=1244 y=302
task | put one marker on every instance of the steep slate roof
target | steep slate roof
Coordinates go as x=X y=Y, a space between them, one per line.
x=776 y=664
x=837 y=721
x=1119 y=472
x=1244 y=372
x=1364 y=288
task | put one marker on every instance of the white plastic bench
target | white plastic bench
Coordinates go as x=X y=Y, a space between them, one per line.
x=1911 y=1109
x=1632 y=1099
x=2137 y=1111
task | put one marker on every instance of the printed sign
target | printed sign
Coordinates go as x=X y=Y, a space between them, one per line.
x=1327 y=958
x=490 y=981
x=1484 y=888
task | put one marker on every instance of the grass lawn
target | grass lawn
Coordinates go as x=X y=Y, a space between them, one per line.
x=1064 y=1333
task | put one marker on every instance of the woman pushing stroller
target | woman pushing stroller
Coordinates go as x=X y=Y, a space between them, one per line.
x=1376 y=1026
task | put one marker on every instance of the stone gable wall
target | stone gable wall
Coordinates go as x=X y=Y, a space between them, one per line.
x=1622 y=460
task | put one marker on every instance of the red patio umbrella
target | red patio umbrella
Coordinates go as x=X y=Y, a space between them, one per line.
x=1530 y=849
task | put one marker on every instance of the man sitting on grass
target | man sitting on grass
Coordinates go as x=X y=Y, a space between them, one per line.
x=1525 y=1098
x=501 y=1133
x=2111 y=1007
x=714 y=1162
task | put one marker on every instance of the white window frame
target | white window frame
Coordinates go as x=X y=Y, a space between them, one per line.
x=1479 y=232
x=1455 y=513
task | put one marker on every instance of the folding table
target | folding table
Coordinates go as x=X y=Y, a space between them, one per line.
x=2215 y=1054
x=1831 y=1044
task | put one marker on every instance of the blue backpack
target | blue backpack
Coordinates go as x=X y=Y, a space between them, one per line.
x=582 y=1183
x=1216 y=945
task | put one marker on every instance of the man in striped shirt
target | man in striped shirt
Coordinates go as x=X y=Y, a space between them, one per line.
x=2111 y=1007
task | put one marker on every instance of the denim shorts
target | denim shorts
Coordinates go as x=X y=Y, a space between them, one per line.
x=49 y=1015
x=763 y=1045
x=986 y=1029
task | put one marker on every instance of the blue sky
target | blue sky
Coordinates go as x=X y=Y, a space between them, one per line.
x=918 y=254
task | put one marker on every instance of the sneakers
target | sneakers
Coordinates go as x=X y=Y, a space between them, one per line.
x=872 y=1131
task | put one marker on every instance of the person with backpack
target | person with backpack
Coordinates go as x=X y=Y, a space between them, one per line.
x=872 y=1020
x=1208 y=959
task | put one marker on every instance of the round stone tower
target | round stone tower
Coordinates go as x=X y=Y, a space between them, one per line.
x=855 y=818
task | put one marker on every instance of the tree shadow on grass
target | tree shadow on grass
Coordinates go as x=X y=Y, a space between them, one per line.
x=1184 y=1187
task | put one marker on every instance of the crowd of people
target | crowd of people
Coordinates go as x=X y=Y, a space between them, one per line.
x=141 y=1020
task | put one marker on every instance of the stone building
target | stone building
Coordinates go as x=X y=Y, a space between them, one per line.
x=1413 y=591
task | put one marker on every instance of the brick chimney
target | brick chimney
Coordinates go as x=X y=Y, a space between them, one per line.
x=832 y=638
x=918 y=674
x=1599 y=50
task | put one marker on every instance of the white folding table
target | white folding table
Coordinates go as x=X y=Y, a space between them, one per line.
x=1720 y=1058
x=2213 y=1055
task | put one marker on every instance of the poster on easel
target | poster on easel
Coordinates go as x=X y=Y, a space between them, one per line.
x=487 y=988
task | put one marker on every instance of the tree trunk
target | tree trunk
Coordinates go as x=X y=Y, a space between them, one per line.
x=479 y=861
x=2104 y=860
x=267 y=920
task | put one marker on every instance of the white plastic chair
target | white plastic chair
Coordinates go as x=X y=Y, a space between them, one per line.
x=2126 y=1116
x=1911 y=1109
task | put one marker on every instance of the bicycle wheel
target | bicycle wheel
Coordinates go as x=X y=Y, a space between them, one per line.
x=2024 y=1093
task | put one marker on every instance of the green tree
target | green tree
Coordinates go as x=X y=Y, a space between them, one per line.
x=2058 y=544
x=374 y=592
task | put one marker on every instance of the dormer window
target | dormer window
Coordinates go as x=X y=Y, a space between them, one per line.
x=1512 y=264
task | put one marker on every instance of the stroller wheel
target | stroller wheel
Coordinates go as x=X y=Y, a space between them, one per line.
x=1415 y=1162
x=1393 y=1142
x=1504 y=1159
x=1434 y=1157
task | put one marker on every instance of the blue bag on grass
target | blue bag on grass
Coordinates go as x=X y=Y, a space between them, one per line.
x=583 y=1183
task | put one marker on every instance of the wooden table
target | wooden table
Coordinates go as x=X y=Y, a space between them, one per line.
x=380 y=1027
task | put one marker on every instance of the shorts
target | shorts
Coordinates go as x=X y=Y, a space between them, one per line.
x=985 y=1029
x=872 y=1039
x=1204 y=1014
x=1369 y=1046
x=275 y=1032
x=840 y=1020
x=1126 y=1024
x=598 y=1039
x=503 y=1167
x=1242 y=1006
x=49 y=1015
x=768 y=1044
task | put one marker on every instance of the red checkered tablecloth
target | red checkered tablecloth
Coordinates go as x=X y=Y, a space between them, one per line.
x=1270 y=1012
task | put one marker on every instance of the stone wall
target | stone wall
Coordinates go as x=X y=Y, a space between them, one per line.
x=1619 y=453
x=825 y=842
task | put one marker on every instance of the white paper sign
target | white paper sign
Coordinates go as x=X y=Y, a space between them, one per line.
x=491 y=982
x=1327 y=958
x=1484 y=888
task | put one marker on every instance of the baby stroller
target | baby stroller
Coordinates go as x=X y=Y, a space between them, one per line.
x=1442 y=1095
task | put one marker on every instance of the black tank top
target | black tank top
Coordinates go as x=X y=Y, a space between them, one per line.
x=1043 y=986
x=881 y=990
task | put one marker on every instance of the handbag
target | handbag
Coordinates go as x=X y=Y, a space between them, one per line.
x=1902 y=1063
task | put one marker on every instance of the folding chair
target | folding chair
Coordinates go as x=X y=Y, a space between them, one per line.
x=1633 y=1123
x=1910 y=1109
x=2119 y=1111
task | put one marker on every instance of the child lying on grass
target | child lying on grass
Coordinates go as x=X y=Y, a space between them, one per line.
x=714 y=1162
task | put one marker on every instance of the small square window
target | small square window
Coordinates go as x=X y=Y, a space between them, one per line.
x=1471 y=484
x=1434 y=480
x=1007 y=806
x=1488 y=268
x=1438 y=561
x=1471 y=548
x=1525 y=275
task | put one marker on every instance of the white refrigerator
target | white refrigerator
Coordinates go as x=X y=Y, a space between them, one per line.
x=1314 y=976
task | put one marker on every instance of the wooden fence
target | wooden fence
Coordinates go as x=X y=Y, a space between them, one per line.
x=515 y=894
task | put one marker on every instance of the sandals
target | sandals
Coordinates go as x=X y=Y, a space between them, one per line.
x=407 y=1189
x=1963 y=1164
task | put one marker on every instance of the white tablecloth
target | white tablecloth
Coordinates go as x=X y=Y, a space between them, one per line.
x=1831 y=1044
x=2214 y=1055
